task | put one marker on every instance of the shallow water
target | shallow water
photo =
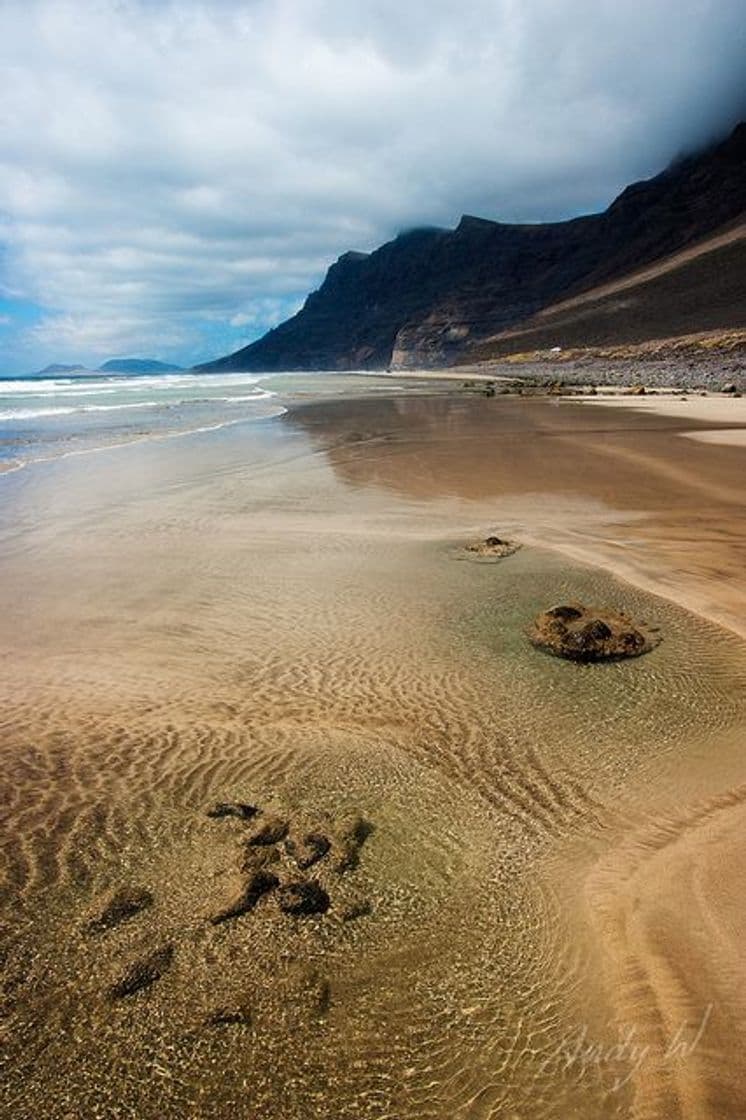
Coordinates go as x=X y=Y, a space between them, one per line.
x=46 y=418
x=227 y=616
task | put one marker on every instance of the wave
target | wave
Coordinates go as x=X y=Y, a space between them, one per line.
x=14 y=414
x=38 y=413
x=270 y=412
x=51 y=386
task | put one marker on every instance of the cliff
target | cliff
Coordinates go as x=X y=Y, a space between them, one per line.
x=432 y=296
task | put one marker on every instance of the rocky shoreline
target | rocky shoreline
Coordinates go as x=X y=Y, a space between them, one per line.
x=711 y=374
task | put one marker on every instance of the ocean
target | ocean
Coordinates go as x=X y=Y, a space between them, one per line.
x=46 y=418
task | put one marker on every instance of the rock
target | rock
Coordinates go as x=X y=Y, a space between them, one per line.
x=588 y=634
x=308 y=848
x=729 y=388
x=122 y=905
x=303 y=897
x=142 y=973
x=268 y=829
x=239 y=809
x=596 y=630
x=636 y=391
x=259 y=884
x=565 y=613
x=350 y=833
x=493 y=547
x=357 y=908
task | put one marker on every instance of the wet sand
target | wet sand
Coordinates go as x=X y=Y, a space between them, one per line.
x=283 y=612
x=622 y=489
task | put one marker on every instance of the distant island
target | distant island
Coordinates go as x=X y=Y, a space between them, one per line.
x=55 y=368
x=138 y=365
x=114 y=365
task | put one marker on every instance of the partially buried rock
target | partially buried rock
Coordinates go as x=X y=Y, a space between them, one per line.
x=123 y=904
x=302 y=898
x=142 y=973
x=269 y=828
x=240 y=809
x=590 y=634
x=259 y=884
x=307 y=848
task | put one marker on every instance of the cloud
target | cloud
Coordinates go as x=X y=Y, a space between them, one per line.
x=174 y=177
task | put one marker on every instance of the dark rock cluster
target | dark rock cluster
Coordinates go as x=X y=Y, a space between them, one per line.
x=588 y=634
x=275 y=851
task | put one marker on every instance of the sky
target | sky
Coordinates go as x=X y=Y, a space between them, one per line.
x=176 y=177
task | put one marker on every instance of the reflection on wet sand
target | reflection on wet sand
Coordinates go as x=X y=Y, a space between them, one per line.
x=618 y=487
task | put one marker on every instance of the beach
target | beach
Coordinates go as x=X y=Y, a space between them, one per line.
x=272 y=604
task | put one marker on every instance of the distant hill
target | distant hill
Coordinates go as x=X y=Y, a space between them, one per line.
x=138 y=365
x=437 y=297
x=56 y=369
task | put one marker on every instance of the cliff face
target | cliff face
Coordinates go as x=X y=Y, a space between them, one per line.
x=429 y=296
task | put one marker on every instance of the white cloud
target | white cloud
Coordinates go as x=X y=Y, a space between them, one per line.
x=171 y=169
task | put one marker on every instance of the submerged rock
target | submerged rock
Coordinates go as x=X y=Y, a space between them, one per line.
x=259 y=884
x=123 y=904
x=350 y=833
x=308 y=848
x=258 y=858
x=302 y=898
x=589 y=634
x=269 y=828
x=142 y=973
x=240 y=809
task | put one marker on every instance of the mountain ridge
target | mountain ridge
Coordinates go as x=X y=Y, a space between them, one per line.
x=430 y=296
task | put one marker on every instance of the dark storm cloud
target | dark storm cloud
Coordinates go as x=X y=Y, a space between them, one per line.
x=177 y=175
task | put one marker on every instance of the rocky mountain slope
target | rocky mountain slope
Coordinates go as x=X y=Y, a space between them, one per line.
x=432 y=297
